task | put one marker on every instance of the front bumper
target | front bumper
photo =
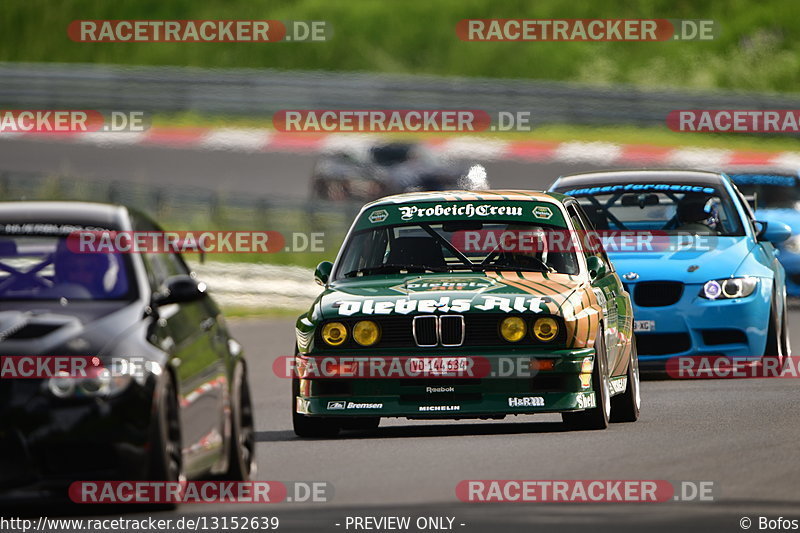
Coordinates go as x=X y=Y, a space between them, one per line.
x=47 y=443
x=698 y=326
x=506 y=386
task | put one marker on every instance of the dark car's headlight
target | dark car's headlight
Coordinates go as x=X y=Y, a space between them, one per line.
x=728 y=288
x=100 y=382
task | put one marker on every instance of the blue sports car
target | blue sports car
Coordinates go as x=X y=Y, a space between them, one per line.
x=775 y=194
x=702 y=271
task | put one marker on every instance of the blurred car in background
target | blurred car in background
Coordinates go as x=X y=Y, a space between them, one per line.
x=366 y=173
x=775 y=194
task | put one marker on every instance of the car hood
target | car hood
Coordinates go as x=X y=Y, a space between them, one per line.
x=720 y=259
x=456 y=293
x=47 y=328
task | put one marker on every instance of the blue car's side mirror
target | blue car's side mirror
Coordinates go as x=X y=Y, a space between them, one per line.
x=773 y=231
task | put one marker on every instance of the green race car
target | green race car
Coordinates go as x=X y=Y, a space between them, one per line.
x=466 y=305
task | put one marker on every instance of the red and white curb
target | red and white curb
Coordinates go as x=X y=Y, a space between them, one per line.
x=472 y=147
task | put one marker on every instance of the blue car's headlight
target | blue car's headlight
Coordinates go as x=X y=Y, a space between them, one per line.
x=729 y=288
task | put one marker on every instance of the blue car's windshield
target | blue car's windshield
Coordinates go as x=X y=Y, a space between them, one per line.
x=37 y=267
x=769 y=189
x=701 y=210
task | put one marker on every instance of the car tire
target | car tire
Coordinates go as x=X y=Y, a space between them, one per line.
x=166 y=453
x=309 y=426
x=242 y=463
x=362 y=423
x=596 y=418
x=775 y=337
x=625 y=407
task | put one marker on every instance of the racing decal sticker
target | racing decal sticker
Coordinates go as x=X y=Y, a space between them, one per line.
x=542 y=212
x=445 y=304
x=378 y=216
x=338 y=405
x=411 y=212
x=671 y=187
x=587 y=400
x=618 y=386
x=526 y=401
x=433 y=285
x=439 y=407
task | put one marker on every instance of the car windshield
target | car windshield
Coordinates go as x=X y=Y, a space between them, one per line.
x=769 y=190
x=36 y=267
x=454 y=246
x=669 y=208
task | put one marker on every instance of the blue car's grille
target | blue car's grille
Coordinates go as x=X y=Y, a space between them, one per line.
x=657 y=293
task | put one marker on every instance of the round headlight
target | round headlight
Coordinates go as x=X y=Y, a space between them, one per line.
x=366 y=332
x=334 y=333
x=513 y=328
x=545 y=329
x=712 y=290
x=732 y=287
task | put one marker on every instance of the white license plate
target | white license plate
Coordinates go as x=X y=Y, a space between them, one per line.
x=644 y=325
x=438 y=366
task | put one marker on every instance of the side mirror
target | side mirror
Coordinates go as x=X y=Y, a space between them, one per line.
x=178 y=290
x=596 y=266
x=323 y=273
x=773 y=231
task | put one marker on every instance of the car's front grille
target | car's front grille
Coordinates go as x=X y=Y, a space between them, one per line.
x=795 y=278
x=657 y=293
x=453 y=331
x=662 y=343
x=425 y=330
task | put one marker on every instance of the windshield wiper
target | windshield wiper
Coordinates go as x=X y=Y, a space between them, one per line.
x=390 y=267
x=544 y=268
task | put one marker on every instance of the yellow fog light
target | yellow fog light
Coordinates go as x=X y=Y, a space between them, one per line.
x=334 y=333
x=545 y=329
x=513 y=328
x=366 y=333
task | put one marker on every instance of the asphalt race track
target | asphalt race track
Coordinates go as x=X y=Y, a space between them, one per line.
x=742 y=435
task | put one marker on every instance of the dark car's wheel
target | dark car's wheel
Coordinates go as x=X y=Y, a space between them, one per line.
x=242 y=460
x=166 y=453
x=309 y=426
x=364 y=423
x=596 y=418
x=625 y=406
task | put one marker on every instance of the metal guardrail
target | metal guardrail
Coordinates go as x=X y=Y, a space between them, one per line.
x=263 y=92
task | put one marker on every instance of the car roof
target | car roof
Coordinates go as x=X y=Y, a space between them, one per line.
x=77 y=213
x=607 y=177
x=467 y=196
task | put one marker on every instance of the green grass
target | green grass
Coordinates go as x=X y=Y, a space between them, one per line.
x=758 y=47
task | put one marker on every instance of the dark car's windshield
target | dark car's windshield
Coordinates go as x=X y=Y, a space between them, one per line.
x=453 y=247
x=769 y=190
x=669 y=208
x=36 y=267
